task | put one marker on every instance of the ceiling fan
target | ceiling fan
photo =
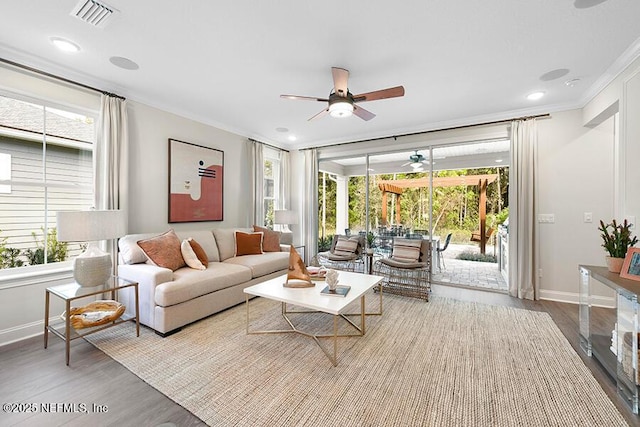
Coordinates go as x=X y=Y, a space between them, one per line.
x=416 y=160
x=342 y=103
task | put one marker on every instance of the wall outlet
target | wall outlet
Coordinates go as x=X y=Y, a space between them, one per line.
x=546 y=218
x=588 y=217
x=540 y=273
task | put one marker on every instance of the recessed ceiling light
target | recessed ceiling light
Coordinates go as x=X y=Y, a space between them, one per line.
x=125 y=63
x=65 y=45
x=554 y=74
x=535 y=96
x=499 y=161
x=585 y=4
x=282 y=130
x=292 y=138
x=572 y=82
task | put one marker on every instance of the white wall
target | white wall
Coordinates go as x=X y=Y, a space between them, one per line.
x=22 y=298
x=150 y=130
x=575 y=176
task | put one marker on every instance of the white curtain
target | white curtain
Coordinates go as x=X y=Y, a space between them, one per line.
x=256 y=181
x=310 y=204
x=285 y=178
x=522 y=210
x=110 y=160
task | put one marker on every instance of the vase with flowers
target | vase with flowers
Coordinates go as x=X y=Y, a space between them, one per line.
x=617 y=240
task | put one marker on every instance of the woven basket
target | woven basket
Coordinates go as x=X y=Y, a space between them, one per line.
x=96 y=313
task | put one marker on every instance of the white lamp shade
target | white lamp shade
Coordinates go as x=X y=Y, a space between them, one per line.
x=90 y=226
x=285 y=217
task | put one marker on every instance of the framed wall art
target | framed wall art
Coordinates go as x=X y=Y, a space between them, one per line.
x=195 y=182
x=631 y=266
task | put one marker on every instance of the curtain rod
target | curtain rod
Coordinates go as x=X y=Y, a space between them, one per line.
x=268 y=145
x=53 y=76
x=538 y=116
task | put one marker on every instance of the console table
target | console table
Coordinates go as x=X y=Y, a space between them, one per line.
x=610 y=335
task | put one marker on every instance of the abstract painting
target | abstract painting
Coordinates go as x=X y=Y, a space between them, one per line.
x=195 y=182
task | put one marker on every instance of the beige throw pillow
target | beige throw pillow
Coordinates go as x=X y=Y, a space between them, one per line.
x=271 y=239
x=190 y=256
x=346 y=246
x=164 y=250
x=406 y=250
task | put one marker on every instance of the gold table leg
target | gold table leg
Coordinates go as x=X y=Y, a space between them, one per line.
x=316 y=337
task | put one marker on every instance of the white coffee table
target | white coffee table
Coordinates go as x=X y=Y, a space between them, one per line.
x=312 y=300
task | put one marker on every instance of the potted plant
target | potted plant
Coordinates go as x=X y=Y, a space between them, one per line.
x=616 y=240
x=370 y=242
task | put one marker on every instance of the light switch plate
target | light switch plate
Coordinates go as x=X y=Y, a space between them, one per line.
x=588 y=217
x=546 y=218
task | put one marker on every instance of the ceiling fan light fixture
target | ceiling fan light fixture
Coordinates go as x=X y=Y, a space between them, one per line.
x=341 y=109
x=416 y=165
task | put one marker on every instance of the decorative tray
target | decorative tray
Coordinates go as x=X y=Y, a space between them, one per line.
x=95 y=314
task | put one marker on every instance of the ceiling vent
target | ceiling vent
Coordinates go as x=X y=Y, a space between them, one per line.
x=93 y=13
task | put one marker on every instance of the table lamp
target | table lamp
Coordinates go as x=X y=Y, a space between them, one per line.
x=285 y=217
x=93 y=267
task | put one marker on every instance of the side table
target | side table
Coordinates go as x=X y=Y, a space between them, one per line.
x=71 y=292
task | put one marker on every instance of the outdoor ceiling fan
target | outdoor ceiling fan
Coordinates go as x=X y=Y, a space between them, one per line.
x=342 y=103
x=416 y=160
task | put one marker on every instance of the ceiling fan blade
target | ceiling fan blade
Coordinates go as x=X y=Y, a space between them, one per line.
x=392 y=92
x=304 y=98
x=320 y=114
x=362 y=113
x=340 y=79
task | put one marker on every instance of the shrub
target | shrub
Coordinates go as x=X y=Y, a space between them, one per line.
x=474 y=256
x=324 y=243
x=56 y=251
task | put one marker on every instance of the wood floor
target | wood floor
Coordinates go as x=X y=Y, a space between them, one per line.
x=30 y=374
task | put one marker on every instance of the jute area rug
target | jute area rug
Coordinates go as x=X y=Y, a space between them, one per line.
x=441 y=363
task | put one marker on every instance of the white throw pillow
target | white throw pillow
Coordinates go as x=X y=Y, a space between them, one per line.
x=190 y=256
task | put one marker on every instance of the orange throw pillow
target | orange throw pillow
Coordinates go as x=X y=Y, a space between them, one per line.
x=248 y=243
x=199 y=251
x=164 y=250
x=271 y=239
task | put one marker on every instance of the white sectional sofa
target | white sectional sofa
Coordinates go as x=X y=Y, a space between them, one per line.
x=170 y=299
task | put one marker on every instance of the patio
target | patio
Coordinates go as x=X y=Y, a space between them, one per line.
x=483 y=275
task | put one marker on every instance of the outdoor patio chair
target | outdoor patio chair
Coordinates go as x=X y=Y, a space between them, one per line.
x=346 y=254
x=408 y=271
x=441 y=250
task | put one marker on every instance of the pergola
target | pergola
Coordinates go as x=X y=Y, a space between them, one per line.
x=397 y=186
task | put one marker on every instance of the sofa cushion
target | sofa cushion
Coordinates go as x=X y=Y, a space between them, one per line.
x=205 y=239
x=164 y=250
x=271 y=239
x=260 y=265
x=190 y=256
x=130 y=252
x=226 y=242
x=188 y=283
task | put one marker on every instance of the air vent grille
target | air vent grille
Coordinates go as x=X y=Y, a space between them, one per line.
x=93 y=12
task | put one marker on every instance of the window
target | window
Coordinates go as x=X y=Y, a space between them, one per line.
x=46 y=165
x=271 y=187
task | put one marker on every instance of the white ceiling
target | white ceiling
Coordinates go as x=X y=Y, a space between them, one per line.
x=226 y=63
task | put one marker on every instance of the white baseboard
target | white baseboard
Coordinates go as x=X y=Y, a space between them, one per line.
x=574 y=298
x=21 y=332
